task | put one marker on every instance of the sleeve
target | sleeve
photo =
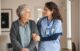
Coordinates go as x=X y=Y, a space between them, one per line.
x=33 y=44
x=35 y=28
x=57 y=32
x=13 y=38
x=58 y=27
x=39 y=27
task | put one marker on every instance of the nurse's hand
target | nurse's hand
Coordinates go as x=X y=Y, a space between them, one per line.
x=35 y=37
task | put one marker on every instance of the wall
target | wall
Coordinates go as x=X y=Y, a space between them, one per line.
x=75 y=22
x=33 y=4
x=0 y=17
x=79 y=25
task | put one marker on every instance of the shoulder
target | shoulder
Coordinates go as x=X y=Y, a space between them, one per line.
x=57 y=21
x=15 y=22
x=32 y=21
x=41 y=19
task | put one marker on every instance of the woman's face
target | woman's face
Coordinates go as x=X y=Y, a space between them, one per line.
x=26 y=14
x=47 y=12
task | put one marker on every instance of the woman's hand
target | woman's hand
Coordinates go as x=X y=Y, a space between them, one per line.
x=24 y=49
x=35 y=37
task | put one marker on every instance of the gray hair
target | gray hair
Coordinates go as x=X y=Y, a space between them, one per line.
x=20 y=10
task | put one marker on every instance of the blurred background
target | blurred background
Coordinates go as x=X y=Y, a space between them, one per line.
x=70 y=11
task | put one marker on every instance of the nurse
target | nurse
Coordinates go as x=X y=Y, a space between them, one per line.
x=50 y=28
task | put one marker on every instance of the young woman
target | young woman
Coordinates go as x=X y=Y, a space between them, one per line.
x=50 y=28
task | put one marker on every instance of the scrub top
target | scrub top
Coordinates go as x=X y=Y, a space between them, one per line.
x=55 y=28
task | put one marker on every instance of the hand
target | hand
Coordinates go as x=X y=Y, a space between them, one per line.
x=24 y=49
x=35 y=37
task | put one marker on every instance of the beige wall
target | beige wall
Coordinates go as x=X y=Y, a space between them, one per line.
x=63 y=10
x=75 y=22
x=0 y=17
x=33 y=4
x=79 y=25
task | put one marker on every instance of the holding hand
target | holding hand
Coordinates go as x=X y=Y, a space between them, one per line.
x=35 y=37
x=24 y=49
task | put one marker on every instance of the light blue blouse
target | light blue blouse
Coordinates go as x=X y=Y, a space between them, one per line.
x=24 y=32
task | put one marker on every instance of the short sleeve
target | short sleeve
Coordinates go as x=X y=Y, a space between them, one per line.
x=58 y=27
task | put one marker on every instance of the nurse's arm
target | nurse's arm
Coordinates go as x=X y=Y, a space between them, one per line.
x=58 y=32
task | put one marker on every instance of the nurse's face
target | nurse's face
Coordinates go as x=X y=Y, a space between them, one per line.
x=47 y=12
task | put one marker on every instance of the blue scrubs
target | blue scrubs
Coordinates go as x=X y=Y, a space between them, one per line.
x=50 y=28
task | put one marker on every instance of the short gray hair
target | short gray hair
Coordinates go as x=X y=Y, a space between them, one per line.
x=20 y=10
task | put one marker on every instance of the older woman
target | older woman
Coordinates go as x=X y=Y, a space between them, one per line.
x=24 y=33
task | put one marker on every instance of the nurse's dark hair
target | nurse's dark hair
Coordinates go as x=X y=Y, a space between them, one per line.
x=53 y=7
